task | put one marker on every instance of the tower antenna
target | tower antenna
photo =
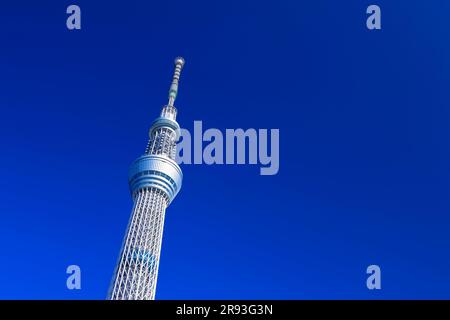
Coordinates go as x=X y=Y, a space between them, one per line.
x=179 y=63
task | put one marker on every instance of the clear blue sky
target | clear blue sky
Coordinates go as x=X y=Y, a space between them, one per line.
x=364 y=146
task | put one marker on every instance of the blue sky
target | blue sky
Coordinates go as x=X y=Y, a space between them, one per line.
x=364 y=146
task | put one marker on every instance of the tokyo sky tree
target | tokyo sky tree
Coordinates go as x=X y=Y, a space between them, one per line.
x=154 y=180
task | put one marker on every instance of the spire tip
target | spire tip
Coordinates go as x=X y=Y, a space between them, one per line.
x=179 y=61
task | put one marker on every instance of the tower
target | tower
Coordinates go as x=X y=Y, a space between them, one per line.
x=154 y=179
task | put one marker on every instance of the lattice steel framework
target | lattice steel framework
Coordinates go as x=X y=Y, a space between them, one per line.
x=154 y=180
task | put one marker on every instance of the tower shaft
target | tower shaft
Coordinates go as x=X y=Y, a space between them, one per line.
x=138 y=266
x=154 y=180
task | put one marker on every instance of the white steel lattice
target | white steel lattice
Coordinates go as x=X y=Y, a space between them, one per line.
x=138 y=266
x=162 y=142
